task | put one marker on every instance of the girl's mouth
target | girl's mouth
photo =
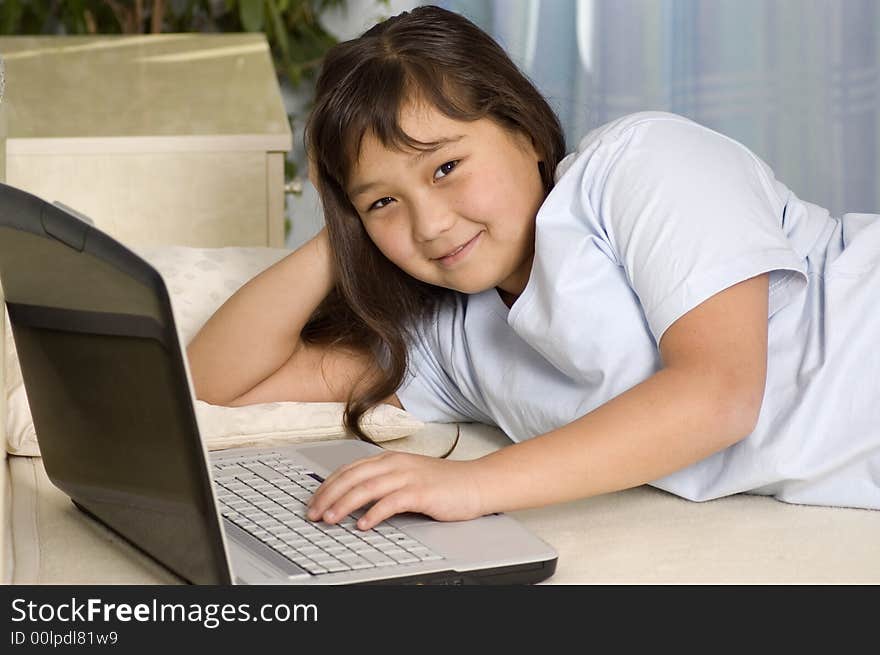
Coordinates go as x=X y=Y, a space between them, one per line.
x=458 y=255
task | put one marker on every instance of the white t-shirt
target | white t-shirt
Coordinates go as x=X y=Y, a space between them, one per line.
x=651 y=216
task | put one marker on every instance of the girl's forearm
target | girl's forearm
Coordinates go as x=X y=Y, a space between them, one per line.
x=669 y=421
x=257 y=329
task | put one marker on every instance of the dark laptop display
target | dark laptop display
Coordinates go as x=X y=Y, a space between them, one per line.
x=103 y=371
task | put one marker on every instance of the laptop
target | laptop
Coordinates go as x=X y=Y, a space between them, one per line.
x=112 y=401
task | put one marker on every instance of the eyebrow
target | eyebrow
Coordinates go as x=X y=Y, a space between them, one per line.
x=439 y=144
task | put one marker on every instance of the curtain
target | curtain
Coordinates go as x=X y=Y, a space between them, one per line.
x=794 y=80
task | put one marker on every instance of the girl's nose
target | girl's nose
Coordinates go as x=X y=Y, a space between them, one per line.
x=431 y=220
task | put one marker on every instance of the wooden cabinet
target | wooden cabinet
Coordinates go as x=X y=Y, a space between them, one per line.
x=160 y=139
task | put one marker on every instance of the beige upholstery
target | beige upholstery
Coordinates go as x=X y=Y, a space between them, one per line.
x=633 y=537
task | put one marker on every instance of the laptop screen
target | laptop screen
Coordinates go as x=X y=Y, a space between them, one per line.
x=107 y=386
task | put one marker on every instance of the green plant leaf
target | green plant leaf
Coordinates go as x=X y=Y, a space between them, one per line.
x=294 y=74
x=279 y=29
x=10 y=13
x=73 y=16
x=252 y=14
x=290 y=170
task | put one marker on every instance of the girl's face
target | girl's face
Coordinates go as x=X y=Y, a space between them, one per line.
x=461 y=216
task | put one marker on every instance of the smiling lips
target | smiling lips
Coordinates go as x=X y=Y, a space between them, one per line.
x=459 y=253
x=452 y=252
x=461 y=247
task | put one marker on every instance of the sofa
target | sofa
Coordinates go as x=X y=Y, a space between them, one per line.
x=632 y=537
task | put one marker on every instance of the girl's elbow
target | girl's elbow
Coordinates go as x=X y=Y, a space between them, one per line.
x=741 y=416
x=201 y=390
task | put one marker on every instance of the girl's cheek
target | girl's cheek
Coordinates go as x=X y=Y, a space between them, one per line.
x=476 y=198
x=393 y=240
x=466 y=190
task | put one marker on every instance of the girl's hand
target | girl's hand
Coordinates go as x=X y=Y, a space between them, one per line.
x=399 y=482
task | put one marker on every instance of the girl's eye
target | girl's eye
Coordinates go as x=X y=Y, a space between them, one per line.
x=445 y=169
x=381 y=202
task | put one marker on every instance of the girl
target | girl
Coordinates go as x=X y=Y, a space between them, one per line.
x=653 y=308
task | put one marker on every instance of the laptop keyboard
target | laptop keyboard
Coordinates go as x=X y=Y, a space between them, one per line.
x=267 y=495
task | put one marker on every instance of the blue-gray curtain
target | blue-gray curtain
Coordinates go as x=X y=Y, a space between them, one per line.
x=795 y=80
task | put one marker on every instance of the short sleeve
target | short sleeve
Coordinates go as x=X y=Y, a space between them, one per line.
x=691 y=212
x=428 y=390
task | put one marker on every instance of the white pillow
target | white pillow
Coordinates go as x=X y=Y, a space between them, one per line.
x=199 y=280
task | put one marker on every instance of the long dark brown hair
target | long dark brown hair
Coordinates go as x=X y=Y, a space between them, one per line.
x=437 y=57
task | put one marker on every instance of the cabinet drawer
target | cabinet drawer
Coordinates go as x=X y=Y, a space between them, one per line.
x=205 y=199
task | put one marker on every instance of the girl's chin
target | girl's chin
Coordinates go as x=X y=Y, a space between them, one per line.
x=468 y=289
x=471 y=289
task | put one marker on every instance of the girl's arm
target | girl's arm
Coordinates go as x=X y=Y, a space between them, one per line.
x=257 y=329
x=707 y=397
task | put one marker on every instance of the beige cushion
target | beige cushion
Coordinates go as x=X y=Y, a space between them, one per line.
x=637 y=536
x=199 y=280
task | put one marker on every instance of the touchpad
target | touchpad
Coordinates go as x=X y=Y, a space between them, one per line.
x=330 y=456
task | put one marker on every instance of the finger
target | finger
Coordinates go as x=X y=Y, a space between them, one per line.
x=395 y=503
x=366 y=492
x=332 y=489
x=331 y=479
x=347 y=467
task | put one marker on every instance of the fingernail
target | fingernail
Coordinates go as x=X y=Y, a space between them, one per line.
x=329 y=515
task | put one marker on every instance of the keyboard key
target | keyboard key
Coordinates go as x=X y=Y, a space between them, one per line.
x=424 y=553
x=263 y=471
x=406 y=558
x=377 y=559
x=338 y=566
x=384 y=529
x=231 y=470
x=309 y=532
x=309 y=550
x=352 y=559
